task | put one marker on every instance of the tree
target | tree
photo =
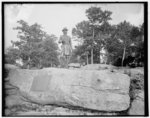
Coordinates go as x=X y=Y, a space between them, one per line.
x=125 y=41
x=83 y=32
x=93 y=32
x=11 y=55
x=97 y=17
x=137 y=35
x=124 y=35
x=50 y=54
x=141 y=43
x=36 y=47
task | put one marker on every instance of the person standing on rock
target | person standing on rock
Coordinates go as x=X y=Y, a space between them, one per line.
x=66 y=47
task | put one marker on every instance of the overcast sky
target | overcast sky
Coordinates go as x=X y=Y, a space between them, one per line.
x=53 y=17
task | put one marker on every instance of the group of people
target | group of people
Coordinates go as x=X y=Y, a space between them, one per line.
x=66 y=48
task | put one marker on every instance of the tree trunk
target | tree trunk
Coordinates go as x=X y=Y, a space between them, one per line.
x=124 y=52
x=28 y=65
x=99 y=56
x=105 y=59
x=92 y=49
x=91 y=56
x=87 y=59
x=39 y=65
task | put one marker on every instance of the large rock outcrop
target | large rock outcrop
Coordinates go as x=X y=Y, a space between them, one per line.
x=90 y=89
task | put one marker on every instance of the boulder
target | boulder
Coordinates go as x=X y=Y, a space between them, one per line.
x=98 y=67
x=10 y=66
x=13 y=100
x=137 y=105
x=131 y=71
x=74 y=65
x=137 y=108
x=88 y=89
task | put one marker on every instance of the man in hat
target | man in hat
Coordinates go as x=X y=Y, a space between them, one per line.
x=66 y=46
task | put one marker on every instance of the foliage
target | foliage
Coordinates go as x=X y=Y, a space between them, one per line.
x=124 y=41
x=140 y=44
x=82 y=30
x=36 y=48
x=11 y=55
x=120 y=41
x=97 y=15
x=93 y=32
x=136 y=84
x=50 y=52
x=123 y=34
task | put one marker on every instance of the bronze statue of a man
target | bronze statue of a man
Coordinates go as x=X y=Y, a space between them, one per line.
x=66 y=47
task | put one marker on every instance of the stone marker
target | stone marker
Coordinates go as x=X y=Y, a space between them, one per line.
x=90 y=89
x=40 y=84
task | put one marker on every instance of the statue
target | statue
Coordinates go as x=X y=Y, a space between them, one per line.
x=66 y=48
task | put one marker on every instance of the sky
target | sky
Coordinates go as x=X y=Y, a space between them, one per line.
x=53 y=17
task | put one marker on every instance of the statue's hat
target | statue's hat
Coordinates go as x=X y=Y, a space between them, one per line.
x=64 y=29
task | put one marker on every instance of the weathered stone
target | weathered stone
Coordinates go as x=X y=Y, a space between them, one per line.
x=135 y=71
x=131 y=71
x=98 y=67
x=58 y=111
x=13 y=100
x=30 y=113
x=7 y=112
x=141 y=95
x=74 y=65
x=137 y=105
x=90 y=89
x=10 y=66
